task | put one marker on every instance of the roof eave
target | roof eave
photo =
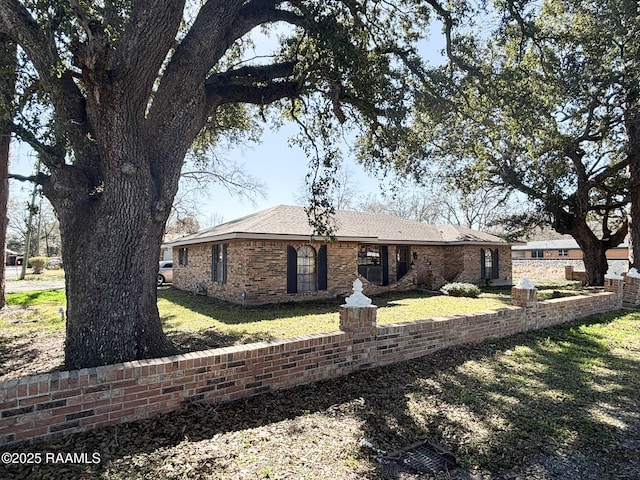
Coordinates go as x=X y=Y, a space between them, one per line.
x=316 y=238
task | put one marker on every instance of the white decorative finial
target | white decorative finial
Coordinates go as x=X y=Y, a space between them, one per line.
x=358 y=299
x=526 y=284
x=633 y=273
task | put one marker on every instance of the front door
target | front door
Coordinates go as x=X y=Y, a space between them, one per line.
x=402 y=261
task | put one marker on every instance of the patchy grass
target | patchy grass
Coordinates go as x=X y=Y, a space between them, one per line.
x=33 y=312
x=183 y=312
x=48 y=275
x=32 y=329
x=557 y=403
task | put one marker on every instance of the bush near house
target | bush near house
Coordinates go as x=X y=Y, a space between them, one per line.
x=458 y=289
x=38 y=264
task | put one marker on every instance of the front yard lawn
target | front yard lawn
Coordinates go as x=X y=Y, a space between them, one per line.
x=32 y=327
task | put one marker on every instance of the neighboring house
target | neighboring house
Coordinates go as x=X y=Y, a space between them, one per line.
x=11 y=257
x=166 y=253
x=564 y=249
x=272 y=256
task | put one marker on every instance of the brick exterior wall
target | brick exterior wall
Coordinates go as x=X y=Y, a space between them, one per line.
x=462 y=264
x=257 y=269
x=54 y=404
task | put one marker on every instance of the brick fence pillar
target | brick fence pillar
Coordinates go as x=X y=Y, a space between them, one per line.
x=524 y=294
x=631 y=289
x=357 y=315
x=615 y=284
x=358 y=319
x=568 y=272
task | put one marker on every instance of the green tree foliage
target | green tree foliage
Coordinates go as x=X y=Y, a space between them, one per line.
x=113 y=94
x=541 y=105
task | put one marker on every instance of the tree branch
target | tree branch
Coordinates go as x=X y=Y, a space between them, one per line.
x=39 y=178
x=147 y=38
x=69 y=102
x=251 y=74
x=255 y=94
x=51 y=156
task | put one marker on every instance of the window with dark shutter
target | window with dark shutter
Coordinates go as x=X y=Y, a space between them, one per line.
x=292 y=270
x=306 y=268
x=496 y=268
x=384 y=258
x=323 y=268
x=488 y=263
x=183 y=256
x=219 y=263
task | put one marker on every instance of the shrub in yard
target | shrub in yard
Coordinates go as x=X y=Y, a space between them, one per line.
x=38 y=264
x=461 y=290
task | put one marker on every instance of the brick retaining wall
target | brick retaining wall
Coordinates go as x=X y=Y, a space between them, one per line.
x=43 y=406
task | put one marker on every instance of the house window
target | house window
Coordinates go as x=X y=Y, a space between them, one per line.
x=489 y=268
x=369 y=255
x=306 y=268
x=537 y=253
x=183 y=256
x=373 y=263
x=219 y=263
x=306 y=271
x=563 y=252
x=488 y=264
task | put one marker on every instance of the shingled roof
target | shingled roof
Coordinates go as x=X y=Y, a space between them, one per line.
x=291 y=222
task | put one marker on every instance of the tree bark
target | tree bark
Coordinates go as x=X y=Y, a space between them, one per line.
x=5 y=140
x=632 y=120
x=110 y=246
x=594 y=254
x=8 y=52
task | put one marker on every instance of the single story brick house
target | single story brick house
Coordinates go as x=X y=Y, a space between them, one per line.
x=273 y=256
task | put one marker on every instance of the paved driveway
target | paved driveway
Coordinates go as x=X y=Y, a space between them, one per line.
x=12 y=284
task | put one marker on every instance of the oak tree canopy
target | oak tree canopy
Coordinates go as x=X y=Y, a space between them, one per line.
x=113 y=94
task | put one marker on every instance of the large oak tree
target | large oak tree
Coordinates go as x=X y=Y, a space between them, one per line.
x=547 y=106
x=113 y=93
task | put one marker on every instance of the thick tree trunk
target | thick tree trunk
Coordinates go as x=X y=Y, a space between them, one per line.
x=594 y=255
x=8 y=52
x=5 y=141
x=633 y=133
x=111 y=245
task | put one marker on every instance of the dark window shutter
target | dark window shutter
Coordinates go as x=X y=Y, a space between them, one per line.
x=224 y=263
x=483 y=272
x=292 y=270
x=495 y=267
x=384 y=259
x=322 y=268
x=214 y=260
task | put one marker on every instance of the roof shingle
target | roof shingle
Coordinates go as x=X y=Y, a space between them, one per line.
x=292 y=222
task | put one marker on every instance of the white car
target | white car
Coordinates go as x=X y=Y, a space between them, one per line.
x=165 y=272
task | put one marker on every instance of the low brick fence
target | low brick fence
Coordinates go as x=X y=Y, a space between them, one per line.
x=43 y=406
